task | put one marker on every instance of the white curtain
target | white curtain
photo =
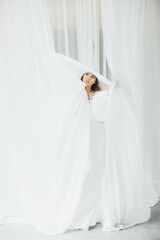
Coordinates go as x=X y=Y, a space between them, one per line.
x=50 y=175
x=132 y=45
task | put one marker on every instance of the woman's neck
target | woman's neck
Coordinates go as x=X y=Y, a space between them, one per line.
x=88 y=89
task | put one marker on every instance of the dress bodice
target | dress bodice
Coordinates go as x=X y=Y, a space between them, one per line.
x=90 y=96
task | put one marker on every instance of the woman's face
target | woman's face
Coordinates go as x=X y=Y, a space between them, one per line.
x=89 y=79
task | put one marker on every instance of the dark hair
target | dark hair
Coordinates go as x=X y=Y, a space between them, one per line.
x=95 y=87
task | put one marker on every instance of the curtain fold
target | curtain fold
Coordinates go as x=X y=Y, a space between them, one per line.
x=131 y=40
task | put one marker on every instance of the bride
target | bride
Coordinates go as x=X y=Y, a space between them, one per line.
x=90 y=210
x=126 y=198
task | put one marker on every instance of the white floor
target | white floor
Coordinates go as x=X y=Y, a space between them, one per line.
x=146 y=231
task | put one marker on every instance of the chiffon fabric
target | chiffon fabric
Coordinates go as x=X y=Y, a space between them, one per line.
x=64 y=162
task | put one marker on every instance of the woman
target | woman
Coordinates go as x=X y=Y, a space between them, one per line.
x=125 y=199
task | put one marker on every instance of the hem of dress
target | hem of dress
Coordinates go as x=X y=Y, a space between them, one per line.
x=99 y=218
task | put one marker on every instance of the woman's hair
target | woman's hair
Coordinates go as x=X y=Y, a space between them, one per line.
x=95 y=87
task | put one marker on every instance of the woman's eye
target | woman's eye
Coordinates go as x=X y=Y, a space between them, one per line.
x=86 y=73
x=93 y=76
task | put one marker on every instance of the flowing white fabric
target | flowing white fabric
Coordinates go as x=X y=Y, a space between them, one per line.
x=132 y=45
x=55 y=157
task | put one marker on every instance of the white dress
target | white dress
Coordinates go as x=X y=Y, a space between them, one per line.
x=90 y=204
